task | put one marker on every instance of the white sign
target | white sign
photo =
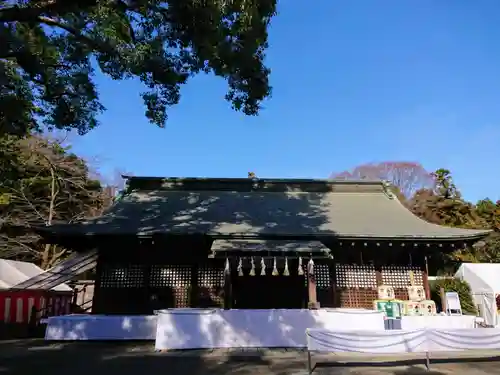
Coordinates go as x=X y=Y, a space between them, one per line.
x=453 y=303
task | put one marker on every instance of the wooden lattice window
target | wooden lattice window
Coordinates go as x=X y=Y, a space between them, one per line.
x=322 y=274
x=210 y=277
x=170 y=276
x=211 y=286
x=176 y=278
x=130 y=276
x=357 y=298
x=353 y=276
x=399 y=276
x=401 y=293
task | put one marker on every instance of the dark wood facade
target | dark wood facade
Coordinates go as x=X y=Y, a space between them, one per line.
x=147 y=276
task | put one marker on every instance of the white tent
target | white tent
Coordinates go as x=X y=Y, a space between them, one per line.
x=14 y=272
x=484 y=281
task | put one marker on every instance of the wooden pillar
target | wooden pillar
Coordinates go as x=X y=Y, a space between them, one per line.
x=425 y=279
x=228 y=289
x=333 y=283
x=427 y=289
x=149 y=297
x=379 y=255
x=378 y=275
x=97 y=305
x=312 y=289
x=194 y=291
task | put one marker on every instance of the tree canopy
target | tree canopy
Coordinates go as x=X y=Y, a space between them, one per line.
x=50 y=49
x=41 y=182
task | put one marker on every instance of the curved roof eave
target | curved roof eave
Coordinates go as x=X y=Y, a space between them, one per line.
x=358 y=211
x=455 y=233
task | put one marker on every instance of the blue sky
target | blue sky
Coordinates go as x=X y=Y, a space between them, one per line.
x=354 y=82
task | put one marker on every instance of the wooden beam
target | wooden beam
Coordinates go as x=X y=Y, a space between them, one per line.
x=98 y=307
x=313 y=303
x=228 y=291
x=378 y=275
x=194 y=290
x=332 y=272
x=425 y=279
x=151 y=297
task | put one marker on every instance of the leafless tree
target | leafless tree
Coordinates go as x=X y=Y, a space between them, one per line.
x=54 y=185
x=407 y=177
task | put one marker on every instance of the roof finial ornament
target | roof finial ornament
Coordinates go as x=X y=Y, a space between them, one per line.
x=255 y=180
x=388 y=189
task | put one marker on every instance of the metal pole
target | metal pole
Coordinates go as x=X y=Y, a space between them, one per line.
x=309 y=367
x=427 y=361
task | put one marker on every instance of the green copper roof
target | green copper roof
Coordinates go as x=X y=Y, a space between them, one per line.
x=249 y=208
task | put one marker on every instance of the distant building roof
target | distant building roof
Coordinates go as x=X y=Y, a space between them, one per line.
x=13 y=272
x=253 y=208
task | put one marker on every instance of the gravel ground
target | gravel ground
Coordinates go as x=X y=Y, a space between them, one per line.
x=24 y=357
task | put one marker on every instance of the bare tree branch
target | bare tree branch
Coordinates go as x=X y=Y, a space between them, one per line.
x=407 y=177
x=53 y=184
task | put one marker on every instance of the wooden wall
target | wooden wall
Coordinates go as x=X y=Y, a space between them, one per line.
x=138 y=282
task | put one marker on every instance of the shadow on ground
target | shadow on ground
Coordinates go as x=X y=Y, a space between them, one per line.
x=21 y=357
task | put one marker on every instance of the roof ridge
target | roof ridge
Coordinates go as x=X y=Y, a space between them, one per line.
x=252 y=184
x=246 y=179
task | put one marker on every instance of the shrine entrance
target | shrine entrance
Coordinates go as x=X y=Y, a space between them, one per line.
x=269 y=292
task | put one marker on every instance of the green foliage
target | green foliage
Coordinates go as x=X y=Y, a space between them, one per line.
x=444 y=205
x=444 y=184
x=50 y=48
x=454 y=285
x=489 y=213
x=443 y=209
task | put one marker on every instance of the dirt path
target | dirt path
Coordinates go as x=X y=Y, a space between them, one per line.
x=24 y=357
